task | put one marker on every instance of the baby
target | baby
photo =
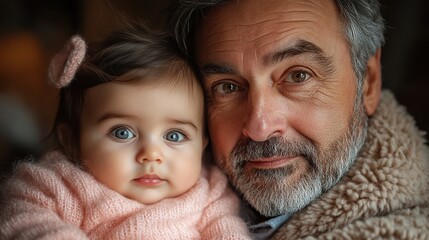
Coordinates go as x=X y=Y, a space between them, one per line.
x=131 y=133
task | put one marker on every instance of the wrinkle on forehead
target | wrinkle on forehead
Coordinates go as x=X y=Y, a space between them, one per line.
x=222 y=25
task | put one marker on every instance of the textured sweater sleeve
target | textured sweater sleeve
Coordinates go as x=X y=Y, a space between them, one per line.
x=34 y=204
x=220 y=219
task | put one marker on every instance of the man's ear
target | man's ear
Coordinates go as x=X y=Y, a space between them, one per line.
x=372 y=84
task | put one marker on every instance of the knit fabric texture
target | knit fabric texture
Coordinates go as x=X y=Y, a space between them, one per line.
x=65 y=63
x=54 y=199
x=385 y=195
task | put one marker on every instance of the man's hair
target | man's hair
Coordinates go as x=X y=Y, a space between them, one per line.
x=130 y=54
x=363 y=27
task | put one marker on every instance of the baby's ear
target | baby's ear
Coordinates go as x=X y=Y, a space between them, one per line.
x=65 y=138
x=65 y=63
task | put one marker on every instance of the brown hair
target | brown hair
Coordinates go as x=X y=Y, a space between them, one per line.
x=135 y=52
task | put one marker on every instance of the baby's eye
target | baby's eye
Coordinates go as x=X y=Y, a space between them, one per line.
x=175 y=136
x=122 y=133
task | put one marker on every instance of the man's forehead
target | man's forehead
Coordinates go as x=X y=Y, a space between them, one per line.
x=253 y=16
x=253 y=10
x=232 y=28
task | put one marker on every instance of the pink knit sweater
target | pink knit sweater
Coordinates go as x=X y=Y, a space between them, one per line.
x=53 y=199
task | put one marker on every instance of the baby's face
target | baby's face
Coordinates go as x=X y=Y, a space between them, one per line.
x=144 y=140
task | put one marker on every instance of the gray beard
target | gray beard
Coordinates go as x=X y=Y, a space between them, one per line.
x=271 y=192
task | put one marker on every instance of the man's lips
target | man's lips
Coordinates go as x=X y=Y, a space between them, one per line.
x=149 y=180
x=272 y=162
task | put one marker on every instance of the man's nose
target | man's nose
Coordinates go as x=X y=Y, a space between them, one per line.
x=150 y=152
x=265 y=116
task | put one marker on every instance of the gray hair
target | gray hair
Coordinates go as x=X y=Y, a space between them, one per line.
x=363 y=27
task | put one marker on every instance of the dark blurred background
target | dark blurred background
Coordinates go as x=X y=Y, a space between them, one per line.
x=31 y=32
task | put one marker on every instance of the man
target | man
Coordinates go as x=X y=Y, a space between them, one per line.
x=298 y=121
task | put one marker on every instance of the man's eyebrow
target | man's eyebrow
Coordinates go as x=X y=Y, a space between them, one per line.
x=211 y=68
x=300 y=47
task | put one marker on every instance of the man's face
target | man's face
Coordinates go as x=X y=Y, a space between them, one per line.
x=285 y=118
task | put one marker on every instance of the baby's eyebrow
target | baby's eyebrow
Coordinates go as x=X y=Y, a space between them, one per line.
x=184 y=122
x=171 y=120
x=114 y=115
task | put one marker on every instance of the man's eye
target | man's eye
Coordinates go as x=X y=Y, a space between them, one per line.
x=298 y=76
x=122 y=133
x=225 y=88
x=175 y=136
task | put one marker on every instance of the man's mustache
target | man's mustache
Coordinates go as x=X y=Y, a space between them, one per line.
x=248 y=150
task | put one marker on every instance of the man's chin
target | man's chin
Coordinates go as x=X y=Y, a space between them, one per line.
x=274 y=192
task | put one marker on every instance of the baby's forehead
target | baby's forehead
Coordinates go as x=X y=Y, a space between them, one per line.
x=175 y=73
x=187 y=85
x=186 y=81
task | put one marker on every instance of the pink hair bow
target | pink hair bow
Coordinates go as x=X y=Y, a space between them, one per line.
x=65 y=63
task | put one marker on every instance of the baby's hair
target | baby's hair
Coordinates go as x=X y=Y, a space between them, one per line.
x=133 y=53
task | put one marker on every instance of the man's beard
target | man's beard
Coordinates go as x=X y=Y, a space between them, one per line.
x=272 y=191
